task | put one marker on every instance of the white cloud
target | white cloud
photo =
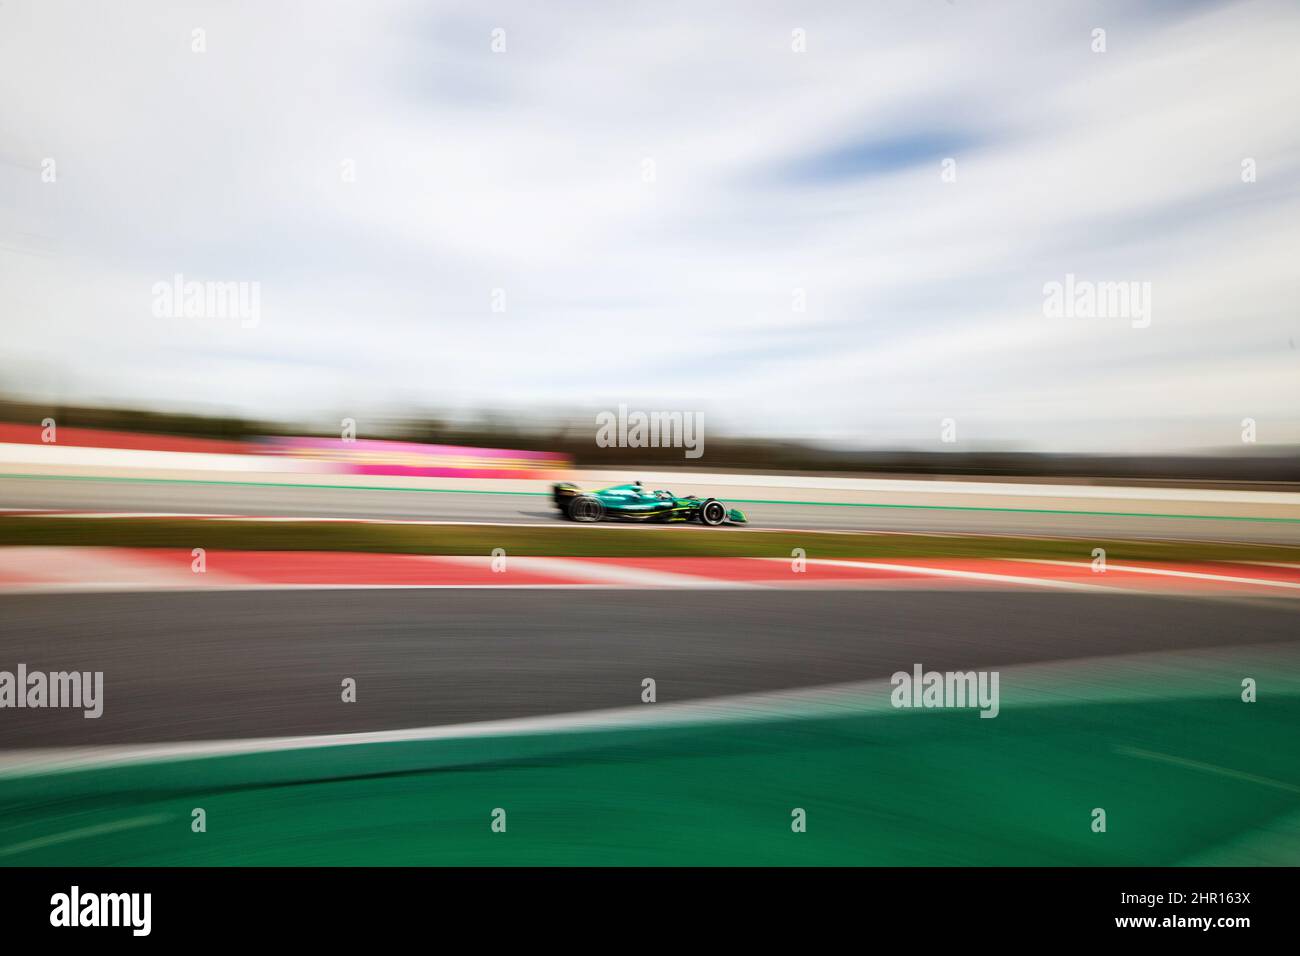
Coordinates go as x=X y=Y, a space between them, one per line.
x=775 y=171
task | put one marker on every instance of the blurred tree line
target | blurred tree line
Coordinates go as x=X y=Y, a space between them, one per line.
x=575 y=437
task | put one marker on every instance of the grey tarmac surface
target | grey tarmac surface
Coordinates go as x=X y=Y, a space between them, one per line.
x=308 y=501
x=189 y=666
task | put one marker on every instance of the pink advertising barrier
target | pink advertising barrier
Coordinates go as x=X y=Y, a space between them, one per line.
x=372 y=457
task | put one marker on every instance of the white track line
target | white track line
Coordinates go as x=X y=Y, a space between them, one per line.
x=1208 y=768
x=965 y=575
x=1170 y=573
x=68 y=836
x=594 y=572
x=136 y=589
x=28 y=567
x=1148 y=676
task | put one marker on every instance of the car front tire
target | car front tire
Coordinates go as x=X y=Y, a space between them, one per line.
x=713 y=512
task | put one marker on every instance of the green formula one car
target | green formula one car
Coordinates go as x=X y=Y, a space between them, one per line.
x=633 y=503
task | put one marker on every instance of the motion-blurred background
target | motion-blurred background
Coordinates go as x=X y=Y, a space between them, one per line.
x=984 y=315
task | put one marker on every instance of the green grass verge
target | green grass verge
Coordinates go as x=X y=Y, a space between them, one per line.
x=577 y=541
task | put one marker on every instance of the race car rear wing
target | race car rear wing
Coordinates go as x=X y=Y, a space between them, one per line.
x=563 y=491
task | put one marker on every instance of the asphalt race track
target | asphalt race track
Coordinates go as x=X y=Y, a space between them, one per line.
x=189 y=666
x=124 y=495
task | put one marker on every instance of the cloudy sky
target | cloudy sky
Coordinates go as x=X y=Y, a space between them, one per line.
x=677 y=208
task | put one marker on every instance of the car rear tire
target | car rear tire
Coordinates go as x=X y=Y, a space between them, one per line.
x=713 y=512
x=586 y=509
